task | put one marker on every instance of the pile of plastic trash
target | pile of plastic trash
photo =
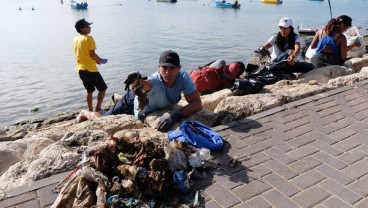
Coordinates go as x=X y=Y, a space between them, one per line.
x=130 y=173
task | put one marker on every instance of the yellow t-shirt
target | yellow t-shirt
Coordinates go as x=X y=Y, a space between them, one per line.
x=82 y=45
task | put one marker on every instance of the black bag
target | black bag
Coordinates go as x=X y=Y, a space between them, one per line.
x=246 y=86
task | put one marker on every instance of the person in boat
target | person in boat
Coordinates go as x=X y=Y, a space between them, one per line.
x=331 y=44
x=286 y=47
x=163 y=89
x=86 y=59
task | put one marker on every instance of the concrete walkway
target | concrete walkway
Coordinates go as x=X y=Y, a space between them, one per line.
x=309 y=153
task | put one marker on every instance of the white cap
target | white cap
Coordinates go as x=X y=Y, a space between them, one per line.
x=285 y=22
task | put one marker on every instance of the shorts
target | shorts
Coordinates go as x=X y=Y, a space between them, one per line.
x=92 y=80
x=325 y=59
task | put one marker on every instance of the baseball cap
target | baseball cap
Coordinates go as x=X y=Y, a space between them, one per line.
x=231 y=71
x=285 y=22
x=169 y=58
x=81 y=24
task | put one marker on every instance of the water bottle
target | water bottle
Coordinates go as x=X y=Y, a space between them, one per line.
x=205 y=154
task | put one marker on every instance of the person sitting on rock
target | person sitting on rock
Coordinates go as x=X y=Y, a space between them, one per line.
x=286 y=47
x=331 y=43
x=162 y=90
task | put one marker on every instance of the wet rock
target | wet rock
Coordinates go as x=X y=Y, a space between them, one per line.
x=34 y=110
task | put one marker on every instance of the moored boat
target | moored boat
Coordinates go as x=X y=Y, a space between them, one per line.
x=76 y=5
x=224 y=4
x=306 y=31
x=169 y=1
x=271 y=1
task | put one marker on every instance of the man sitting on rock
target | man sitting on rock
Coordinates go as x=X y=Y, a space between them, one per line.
x=160 y=90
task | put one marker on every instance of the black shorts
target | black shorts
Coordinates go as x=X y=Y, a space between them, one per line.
x=92 y=80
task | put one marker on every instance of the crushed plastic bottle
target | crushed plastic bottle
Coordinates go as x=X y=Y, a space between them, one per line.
x=205 y=154
x=195 y=160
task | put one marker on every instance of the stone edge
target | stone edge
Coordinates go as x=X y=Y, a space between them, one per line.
x=34 y=185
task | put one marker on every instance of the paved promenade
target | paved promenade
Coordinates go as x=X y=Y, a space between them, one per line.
x=309 y=153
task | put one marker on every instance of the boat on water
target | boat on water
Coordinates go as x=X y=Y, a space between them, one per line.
x=306 y=31
x=78 y=5
x=224 y=4
x=271 y=1
x=169 y=1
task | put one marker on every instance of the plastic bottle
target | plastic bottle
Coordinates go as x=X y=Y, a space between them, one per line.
x=205 y=154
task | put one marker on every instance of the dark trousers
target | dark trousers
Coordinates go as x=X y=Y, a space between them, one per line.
x=298 y=67
x=124 y=106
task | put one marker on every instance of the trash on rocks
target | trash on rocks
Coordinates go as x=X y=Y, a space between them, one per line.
x=131 y=173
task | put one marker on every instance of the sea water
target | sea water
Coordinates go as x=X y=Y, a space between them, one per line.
x=38 y=66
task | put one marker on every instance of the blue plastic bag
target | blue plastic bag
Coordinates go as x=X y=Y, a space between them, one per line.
x=198 y=135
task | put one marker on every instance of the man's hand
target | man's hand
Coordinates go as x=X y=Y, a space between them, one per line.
x=131 y=78
x=103 y=61
x=167 y=121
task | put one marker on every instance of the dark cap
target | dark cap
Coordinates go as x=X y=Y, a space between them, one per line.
x=169 y=58
x=81 y=24
x=344 y=19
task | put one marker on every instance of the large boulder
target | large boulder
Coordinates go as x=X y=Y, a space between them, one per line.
x=357 y=63
x=109 y=124
x=291 y=90
x=211 y=101
x=324 y=74
x=237 y=107
x=349 y=79
x=65 y=154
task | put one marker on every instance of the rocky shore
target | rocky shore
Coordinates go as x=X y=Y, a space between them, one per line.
x=35 y=149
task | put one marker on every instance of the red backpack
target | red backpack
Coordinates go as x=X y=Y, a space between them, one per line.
x=206 y=79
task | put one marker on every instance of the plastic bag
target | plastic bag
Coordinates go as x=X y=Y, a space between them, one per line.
x=175 y=157
x=198 y=135
x=310 y=52
x=352 y=36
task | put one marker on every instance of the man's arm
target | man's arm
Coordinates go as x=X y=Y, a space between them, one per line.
x=94 y=56
x=194 y=104
x=355 y=44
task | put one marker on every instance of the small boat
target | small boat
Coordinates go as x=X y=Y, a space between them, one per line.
x=271 y=1
x=306 y=31
x=76 y=5
x=170 y=1
x=224 y=4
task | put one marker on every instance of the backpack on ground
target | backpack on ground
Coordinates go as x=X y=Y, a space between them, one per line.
x=206 y=79
x=210 y=79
